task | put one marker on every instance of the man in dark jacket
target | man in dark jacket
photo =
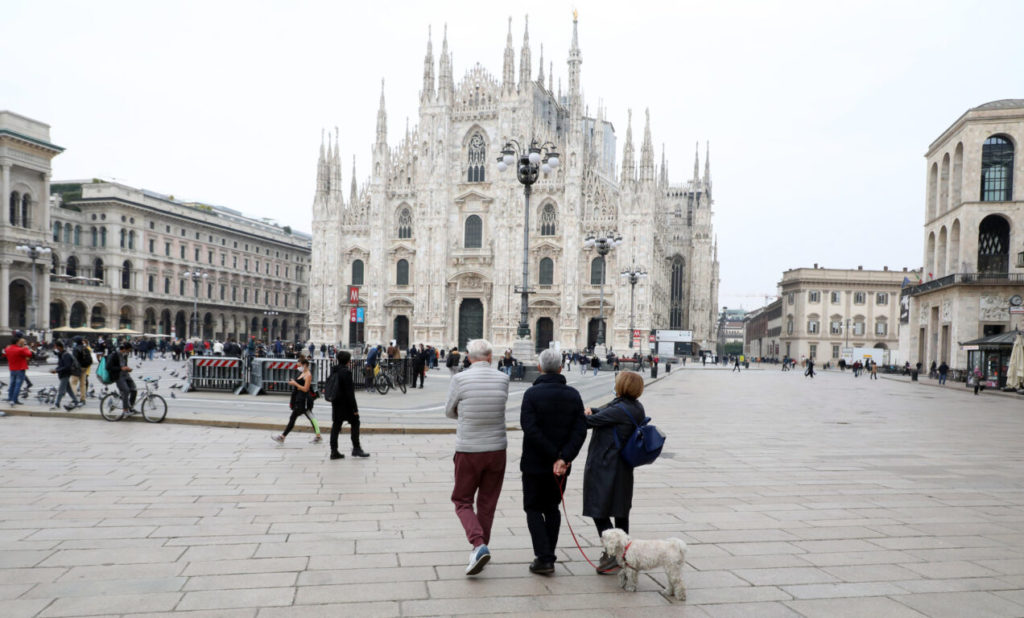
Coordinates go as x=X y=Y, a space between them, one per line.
x=554 y=429
x=419 y=363
x=344 y=408
x=64 y=370
x=117 y=367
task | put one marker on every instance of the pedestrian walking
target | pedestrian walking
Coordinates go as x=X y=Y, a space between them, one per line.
x=595 y=363
x=301 y=403
x=810 y=368
x=419 y=365
x=976 y=377
x=607 y=479
x=943 y=372
x=66 y=367
x=344 y=408
x=453 y=361
x=83 y=354
x=874 y=370
x=554 y=428
x=17 y=355
x=477 y=399
x=736 y=366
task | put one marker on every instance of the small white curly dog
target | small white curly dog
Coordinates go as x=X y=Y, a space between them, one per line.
x=635 y=556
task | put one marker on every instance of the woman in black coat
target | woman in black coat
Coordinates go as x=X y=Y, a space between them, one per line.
x=607 y=480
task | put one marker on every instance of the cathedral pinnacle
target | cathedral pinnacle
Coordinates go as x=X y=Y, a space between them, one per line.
x=696 y=165
x=524 y=58
x=707 y=169
x=574 y=62
x=445 y=83
x=540 y=74
x=508 y=74
x=428 y=71
x=647 y=152
x=628 y=169
x=354 y=195
x=382 y=118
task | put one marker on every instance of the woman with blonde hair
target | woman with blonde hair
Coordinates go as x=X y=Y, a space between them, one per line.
x=607 y=479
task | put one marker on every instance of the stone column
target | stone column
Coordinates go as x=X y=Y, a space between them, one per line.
x=5 y=295
x=44 y=212
x=5 y=200
x=43 y=308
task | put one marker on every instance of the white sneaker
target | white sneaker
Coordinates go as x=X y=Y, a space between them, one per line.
x=317 y=440
x=478 y=559
x=278 y=438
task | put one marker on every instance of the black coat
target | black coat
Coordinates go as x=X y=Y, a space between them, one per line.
x=553 y=423
x=607 y=480
x=344 y=402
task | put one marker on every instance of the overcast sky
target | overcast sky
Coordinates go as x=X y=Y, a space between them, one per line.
x=818 y=113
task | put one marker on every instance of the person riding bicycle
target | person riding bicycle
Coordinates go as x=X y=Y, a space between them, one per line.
x=117 y=366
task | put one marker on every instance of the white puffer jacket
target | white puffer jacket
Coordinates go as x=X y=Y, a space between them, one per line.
x=477 y=398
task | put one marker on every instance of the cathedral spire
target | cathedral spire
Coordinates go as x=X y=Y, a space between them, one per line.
x=551 y=76
x=354 y=194
x=540 y=74
x=575 y=60
x=696 y=165
x=508 y=73
x=663 y=174
x=337 y=201
x=647 y=151
x=382 y=118
x=445 y=83
x=628 y=169
x=707 y=169
x=319 y=198
x=428 y=71
x=524 y=58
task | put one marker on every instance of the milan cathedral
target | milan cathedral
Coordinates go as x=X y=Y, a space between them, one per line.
x=434 y=239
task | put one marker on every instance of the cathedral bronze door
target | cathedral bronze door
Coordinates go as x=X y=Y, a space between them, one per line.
x=545 y=333
x=471 y=321
x=402 y=332
x=593 y=328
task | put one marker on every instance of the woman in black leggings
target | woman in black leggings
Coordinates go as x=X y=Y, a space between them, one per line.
x=301 y=402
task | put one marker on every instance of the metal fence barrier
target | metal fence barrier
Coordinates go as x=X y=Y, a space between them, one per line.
x=215 y=373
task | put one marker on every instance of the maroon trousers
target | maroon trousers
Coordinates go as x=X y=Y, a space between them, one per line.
x=478 y=475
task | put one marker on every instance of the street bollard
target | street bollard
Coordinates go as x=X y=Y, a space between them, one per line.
x=913 y=376
x=654 y=370
x=668 y=367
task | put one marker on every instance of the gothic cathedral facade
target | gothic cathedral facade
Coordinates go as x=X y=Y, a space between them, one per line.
x=434 y=240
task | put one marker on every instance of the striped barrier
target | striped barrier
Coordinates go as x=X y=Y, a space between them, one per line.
x=215 y=373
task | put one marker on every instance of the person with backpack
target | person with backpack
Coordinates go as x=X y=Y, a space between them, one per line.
x=301 y=403
x=607 y=478
x=341 y=392
x=67 y=366
x=83 y=354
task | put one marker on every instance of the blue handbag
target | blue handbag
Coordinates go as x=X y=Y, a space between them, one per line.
x=643 y=445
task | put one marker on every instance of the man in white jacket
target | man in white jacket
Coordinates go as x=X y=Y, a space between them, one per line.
x=477 y=398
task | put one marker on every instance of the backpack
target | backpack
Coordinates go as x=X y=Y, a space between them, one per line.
x=332 y=386
x=76 y=367
x=102 y=372
x=83 y=357
x=643 y=446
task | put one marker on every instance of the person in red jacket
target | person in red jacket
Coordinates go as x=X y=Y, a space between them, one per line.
x=17 y=355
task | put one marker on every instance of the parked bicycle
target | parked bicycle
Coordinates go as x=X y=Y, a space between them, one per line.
x=152 y=406
x=390 y=377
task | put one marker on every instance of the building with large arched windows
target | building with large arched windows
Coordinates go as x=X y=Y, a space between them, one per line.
x=434 y=239
x=973 y=241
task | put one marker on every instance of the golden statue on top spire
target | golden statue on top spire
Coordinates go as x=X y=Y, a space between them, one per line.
x=575 y=15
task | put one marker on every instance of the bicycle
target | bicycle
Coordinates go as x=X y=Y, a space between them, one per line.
x=388 y=378
x=153 y=406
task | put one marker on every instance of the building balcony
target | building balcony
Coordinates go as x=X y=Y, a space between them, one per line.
x=984 y=278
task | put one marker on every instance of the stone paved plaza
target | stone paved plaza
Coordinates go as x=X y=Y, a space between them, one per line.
x=828 y=497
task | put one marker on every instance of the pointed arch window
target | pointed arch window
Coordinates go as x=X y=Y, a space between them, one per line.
x=547 y=271
x=474 y=232
x=405 y=223
x=78 y=235
x=597 y=271
x=95 y=236
x=477 y=158
x=548 y=217
x=677 y=296
x=402 y=273
x=357 y=272
x=26 y=210
x=15 y=202
x=67 y=233
x=126 y=275
x=997 y=169
x=103 y=237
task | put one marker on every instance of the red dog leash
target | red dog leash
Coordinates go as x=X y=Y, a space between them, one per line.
x=569 y=524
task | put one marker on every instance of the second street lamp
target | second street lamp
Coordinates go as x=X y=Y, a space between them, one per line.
x=530 y=163
x=633 y=275
x=603 y=244
x=196 y=276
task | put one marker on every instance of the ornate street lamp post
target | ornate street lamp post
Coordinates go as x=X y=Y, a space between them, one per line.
x=34 y=252
x=603 y=244
x=196 y=276
x=529 y=162
x=633 y=275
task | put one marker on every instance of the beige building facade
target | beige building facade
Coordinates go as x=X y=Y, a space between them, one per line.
x=973 y=240
x=827 y=309
x=762 y=332
x=25 y=156
x=124 y=257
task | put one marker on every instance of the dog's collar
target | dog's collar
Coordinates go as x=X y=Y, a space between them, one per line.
x=624 y=550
